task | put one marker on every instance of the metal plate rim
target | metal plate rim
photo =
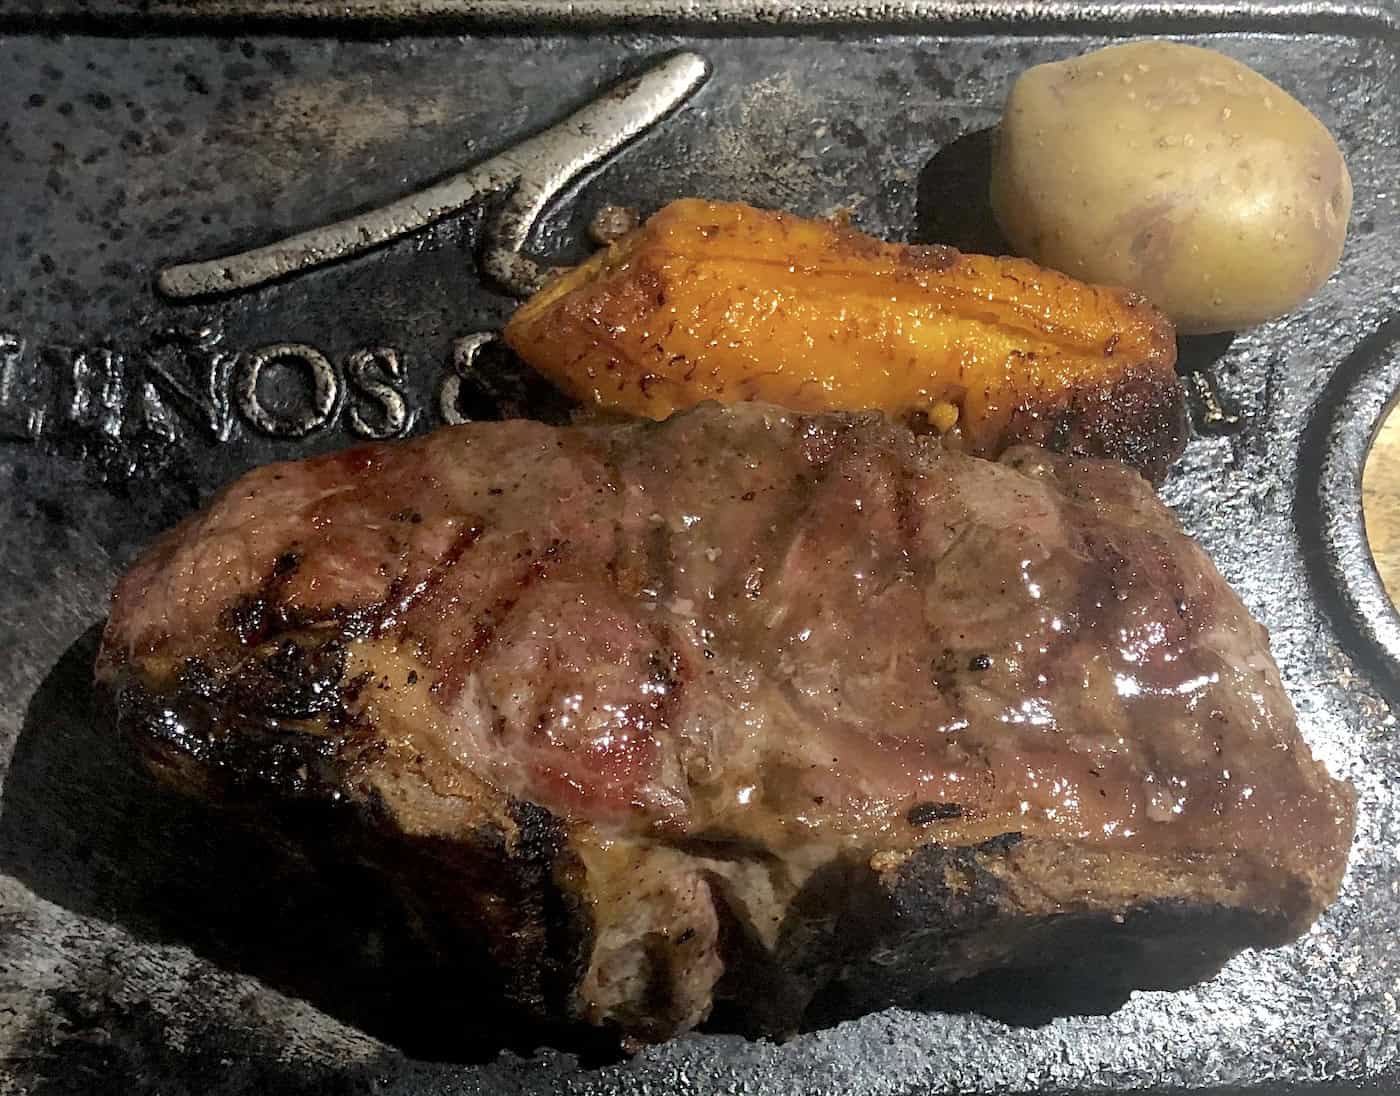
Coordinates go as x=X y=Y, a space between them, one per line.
x=1015 y=17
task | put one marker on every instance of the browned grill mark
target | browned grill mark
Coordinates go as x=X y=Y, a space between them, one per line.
x=923 y=814
x=667 y=671
x=908 y=521
x=489 y=621
x=398 y=602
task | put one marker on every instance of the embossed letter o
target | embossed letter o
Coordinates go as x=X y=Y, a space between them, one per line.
x=296 y=422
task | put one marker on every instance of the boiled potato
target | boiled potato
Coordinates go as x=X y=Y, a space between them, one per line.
x=1177 y=172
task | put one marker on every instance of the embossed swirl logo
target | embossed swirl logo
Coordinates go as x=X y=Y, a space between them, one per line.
x=187 y=376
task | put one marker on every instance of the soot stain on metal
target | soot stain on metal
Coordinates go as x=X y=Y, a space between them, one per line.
x=120 y=412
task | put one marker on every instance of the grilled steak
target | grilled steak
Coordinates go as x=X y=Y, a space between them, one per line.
x=801 y=712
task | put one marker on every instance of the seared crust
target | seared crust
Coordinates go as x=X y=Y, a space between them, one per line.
x=1138 y=418
x=1006 y=925
x=495 y=889
x=793 y=714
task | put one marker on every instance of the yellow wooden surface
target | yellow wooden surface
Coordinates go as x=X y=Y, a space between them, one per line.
x=1380 y=490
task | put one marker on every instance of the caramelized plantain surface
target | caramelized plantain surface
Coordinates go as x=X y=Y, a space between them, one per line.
x=722 y=301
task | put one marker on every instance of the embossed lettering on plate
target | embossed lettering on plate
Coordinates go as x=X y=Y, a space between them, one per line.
x=465 y=352
x=299 y=421
x=180 y=380
x=181 y=376
x=19 y=418
x=1210 y=414
x=199 y=382
x=368 y=370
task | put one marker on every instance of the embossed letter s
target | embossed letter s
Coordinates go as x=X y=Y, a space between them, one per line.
x=393 y=417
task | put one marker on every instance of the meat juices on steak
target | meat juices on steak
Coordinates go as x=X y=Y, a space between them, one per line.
x=747 y=705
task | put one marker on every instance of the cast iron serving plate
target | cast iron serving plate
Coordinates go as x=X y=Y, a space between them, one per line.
x=143 y=948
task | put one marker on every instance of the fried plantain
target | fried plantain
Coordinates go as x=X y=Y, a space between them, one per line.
x=722 y=301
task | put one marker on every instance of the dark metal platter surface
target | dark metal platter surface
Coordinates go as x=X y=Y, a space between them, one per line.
x=141 y=948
